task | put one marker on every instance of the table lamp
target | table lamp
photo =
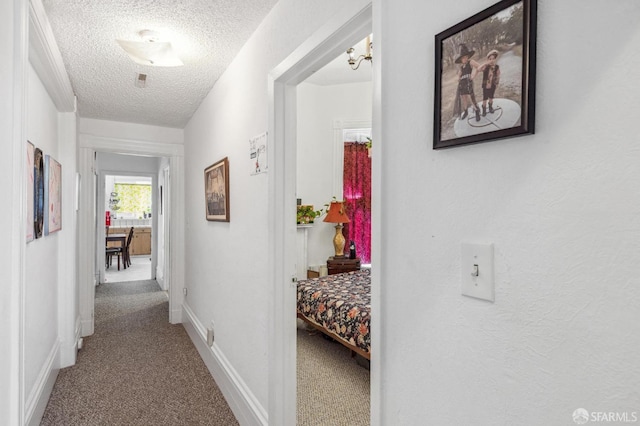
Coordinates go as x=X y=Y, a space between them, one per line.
x=336 y=215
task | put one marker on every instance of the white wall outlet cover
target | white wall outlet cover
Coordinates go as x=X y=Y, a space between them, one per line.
x=476 y=271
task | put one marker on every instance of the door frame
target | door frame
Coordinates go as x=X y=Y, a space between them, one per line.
x=352 y=24
x=88 y=146
x=165 y=196
x=101 y=209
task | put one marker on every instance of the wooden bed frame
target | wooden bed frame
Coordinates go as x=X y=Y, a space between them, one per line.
x=354 y=349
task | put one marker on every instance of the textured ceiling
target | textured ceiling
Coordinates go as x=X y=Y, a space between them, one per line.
x=207 y=35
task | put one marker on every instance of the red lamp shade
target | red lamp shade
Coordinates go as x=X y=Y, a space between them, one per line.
x=336 y=213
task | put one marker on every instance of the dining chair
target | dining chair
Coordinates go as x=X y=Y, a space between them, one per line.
x=110 y=252
x=126 y=254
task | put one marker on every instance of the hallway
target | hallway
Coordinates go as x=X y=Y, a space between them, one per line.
x=137 y=368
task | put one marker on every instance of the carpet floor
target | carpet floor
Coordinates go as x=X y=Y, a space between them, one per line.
x=332 y=388
x=137 y=369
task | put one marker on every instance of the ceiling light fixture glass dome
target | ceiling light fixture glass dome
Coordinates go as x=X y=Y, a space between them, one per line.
x=151 y=50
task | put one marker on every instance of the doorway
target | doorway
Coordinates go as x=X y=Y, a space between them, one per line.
x=328 y=162
x=129 y=210
x=320 y=49
x=168 y=156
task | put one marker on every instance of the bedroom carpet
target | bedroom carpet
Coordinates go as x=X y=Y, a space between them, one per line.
x=332 y=388
x=137 y=369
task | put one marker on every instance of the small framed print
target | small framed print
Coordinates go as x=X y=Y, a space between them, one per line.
x=216 y=191
x=39 y=191
x=52 y=195
x=31 y=151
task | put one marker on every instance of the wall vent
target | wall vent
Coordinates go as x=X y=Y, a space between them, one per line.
x=141 y=80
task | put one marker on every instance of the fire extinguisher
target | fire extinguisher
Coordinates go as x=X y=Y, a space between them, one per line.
x=107 y=218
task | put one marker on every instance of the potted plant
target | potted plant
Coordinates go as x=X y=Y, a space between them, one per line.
x=306 y=214
x=368 y=144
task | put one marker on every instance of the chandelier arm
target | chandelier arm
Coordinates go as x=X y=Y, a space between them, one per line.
x=359 y=59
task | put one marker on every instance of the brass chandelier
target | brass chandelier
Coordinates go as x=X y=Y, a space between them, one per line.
x=354 y=61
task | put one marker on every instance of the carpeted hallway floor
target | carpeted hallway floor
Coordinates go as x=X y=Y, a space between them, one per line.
x=137 y=369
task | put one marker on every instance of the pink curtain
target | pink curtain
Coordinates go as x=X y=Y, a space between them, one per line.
x=357 y=198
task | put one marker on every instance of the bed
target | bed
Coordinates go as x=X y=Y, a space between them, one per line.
x=339 y=306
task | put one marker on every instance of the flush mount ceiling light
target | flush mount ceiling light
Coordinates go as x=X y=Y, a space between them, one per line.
x=150 y=50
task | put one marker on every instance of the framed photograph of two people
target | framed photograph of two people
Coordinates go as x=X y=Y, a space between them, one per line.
x=485 y=76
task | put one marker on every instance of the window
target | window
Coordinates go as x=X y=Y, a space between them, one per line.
x=357 y=191
x=134 y=200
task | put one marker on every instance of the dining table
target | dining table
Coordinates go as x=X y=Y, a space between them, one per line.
x=122 y=238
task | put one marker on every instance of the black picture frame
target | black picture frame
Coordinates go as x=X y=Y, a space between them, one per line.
x=507 y=30
x=39 y=203
x=216 y=191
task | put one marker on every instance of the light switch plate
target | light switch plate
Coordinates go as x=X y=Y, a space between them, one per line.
x=477 y=281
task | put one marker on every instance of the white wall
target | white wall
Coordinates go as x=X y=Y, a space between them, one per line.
x=319 y=107
x=42 y=255
x=132 y=131
x=226 y=263
x=117 y=167
x=123 y=164
x=562 y=208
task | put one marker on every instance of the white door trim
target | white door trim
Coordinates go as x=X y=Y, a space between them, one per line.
x=101 y=209
x=13 y=133
x=88 y=145
x=166 y=220
x=347 y=27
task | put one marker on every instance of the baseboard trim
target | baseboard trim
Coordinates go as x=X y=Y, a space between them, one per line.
x=86 y=328
x=39 y=397
x=243 y=403
x=69 y=350
x=78 y=332
x=160 y=278
x=176 y=316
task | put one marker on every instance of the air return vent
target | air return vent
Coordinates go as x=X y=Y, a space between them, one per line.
x=141 y=80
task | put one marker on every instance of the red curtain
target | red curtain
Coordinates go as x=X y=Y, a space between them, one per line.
x=357 y=199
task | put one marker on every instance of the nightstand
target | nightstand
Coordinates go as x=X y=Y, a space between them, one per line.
x=338 y=265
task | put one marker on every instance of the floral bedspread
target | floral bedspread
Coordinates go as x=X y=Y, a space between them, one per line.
x=340 y=303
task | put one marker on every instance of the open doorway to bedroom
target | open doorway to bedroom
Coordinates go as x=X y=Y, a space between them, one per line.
x=340 y=31
x=334 y=115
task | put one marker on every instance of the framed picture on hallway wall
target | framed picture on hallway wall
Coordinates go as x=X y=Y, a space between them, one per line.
x=485 y=76
x=52 y=195
x=39 y=190
x=216 y=191
x=31 y=151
